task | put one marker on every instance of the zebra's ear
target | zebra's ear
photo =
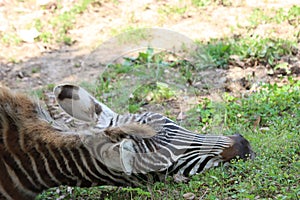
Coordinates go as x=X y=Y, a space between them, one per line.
x=77 y=102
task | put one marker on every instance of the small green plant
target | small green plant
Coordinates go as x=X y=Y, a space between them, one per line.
x=61 y=24
x=157 y=92
x=50 y=86
x=35 y=70
x=272 y=104
x=14 y=60
x=137 y=191
x=38 y=93
x=200 y=116
x=172 y=10
x=143 y=79
x=264 y=50
x=220 y=52
x=201 y=3
x=263 y=16
x=130 y=34
x=258 y=16
x=293 y=15
x=204 y=3
x=11 y=39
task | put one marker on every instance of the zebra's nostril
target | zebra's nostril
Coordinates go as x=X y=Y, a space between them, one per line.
x=98 y=108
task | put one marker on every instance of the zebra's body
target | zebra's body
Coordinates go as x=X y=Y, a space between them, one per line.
x=36 y=155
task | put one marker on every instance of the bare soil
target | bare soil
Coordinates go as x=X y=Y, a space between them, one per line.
x=37 y=64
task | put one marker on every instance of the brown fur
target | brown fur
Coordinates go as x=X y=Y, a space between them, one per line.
x=23 y=111
x=22 y=134
x=134 y=129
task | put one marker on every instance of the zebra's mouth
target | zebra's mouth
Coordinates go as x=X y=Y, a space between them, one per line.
x=241 y=148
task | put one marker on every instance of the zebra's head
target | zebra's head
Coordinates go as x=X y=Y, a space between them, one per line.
x=167 y=146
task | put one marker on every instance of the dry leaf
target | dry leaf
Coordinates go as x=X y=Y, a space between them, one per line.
x=257 y=122
x=189 y=196
x=180 y=178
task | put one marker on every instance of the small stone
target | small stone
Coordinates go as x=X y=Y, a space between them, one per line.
x=43 y=2
x=181 y=116
x=189 y=196
x=180 y=178
x=28 y=35
x=20 y=74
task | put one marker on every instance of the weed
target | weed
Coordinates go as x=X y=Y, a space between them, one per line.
x=201 y=3
x=11 y=39
x=61 y=24
x=38 y=93
x=151 y=93
x=145 y=79
x=14 y=60
x=293 y=15
x=219 y=51
x=264 y=50
x=258 y=16
x=35 y=70
x=204 y=3
x=172 y=10
x=130 y=34
x=272 y=103
x=262 y=16
x=50 y=86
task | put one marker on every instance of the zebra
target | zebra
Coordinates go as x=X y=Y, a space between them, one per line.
x=37 y=152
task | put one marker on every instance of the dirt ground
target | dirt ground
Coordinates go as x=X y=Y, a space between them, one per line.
x=37 y=64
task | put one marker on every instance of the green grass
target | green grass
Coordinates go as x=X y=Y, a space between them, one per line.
x=263 y=50
x=204 y=3
x=131 y=35
x=61 y=23
x=168 y=10
x=55 y=28
x=147 y=78
x=260 y=16
x=10 y=39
